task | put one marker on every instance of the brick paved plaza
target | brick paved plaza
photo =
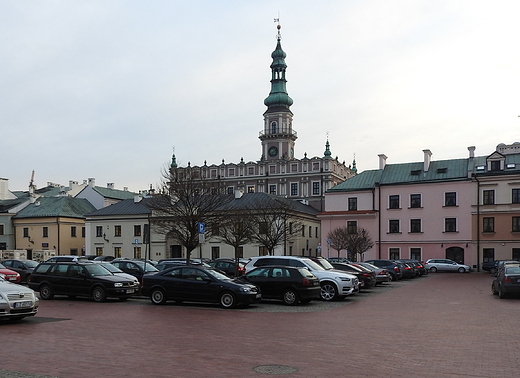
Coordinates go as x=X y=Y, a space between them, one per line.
x=442 y=325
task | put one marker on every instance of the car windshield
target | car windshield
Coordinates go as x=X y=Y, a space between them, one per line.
x=111 y=268
x=216 y=274
x=2 y=266
x=148 y=267
x=31 y=263
x=97 y=270
x=370 y=266
x=313 y=265
x=327 y=265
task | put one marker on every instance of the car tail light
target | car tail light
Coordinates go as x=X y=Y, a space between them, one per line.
x=507 y=280
x=382 y=273
x=306 y=282
x=366 y=274
x=396 y=269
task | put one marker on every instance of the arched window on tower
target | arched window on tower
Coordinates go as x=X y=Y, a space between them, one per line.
x=274 y=127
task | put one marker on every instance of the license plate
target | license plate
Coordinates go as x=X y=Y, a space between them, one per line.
x=12 y=278
x=22 y=304
x=258 y=296
x=130 y=291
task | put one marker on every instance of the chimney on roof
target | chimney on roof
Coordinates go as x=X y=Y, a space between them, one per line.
x=92 y=182
x=471 y=150
x=110 y=185
x=427 y=160
x=382 y=161
x=239 y=193
x=138 y=197
x=125 y=188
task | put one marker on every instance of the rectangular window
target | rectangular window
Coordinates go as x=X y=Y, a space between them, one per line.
x=488 y=224
x=393 y=226
x=231 y=171
x=415 y=225
x=310 y=231
x=83 y=233
x=351 y=227
x=303 y=230
x=415 y=200
x=516 y=224
x=316 y=188
x=352 y=204
x=250 y=170
x=272 y=189
x=294 y=189
x=99 y=251
x=251 y=189
x=515 y=196
x=393 y=253
x=215 y=253
x=415 y=254
x=450 y=199
x=117 y=230
x=262 y=251
x=495 y=165
x=2 y=229
x=74 y=251
x=230 y=190
x=137 y=252
x=515 y=254
x=317 y=236
x=26 y=232
x=99 y=231
x=117 y=252
x=450 y=224
x=393 y=202
x=45 y=232
x=262 y=228
x=488 y=197
x=72 y=231
x=137 y=230
x=488 y=254
x=294 y=167
x=290 y=228
x=272 y=169
x=315 y=166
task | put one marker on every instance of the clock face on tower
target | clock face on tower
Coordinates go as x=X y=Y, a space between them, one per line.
x=273 y=151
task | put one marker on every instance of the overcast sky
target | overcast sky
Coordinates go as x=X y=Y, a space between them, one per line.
x=109 y=89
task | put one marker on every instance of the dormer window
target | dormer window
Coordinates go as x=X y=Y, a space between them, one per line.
x=495 y=165
x=415 y=172
x=442 y=170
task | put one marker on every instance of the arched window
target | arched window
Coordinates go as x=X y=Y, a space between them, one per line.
x=274 y=127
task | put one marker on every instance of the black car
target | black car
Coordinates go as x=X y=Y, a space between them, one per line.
x=407 y=269
x=229 y=266
x=136 y=268
x=197 y=284
x=391 y=267
x=80 y=279
x=507 y=281
x=366 y=277
x=23 y=267
x=290 y=284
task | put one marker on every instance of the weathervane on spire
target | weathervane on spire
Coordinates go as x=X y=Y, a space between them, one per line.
x=277 y=20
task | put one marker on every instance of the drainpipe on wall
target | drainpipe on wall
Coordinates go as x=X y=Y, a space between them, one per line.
x=378 y=186
x=478 y=224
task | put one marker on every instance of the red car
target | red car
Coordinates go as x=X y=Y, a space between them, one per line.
x=10 y=275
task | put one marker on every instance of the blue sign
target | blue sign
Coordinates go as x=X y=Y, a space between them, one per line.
x=202 y=228
x=328 y=241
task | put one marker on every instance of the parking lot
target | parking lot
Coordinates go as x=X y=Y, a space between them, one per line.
x=441 y=325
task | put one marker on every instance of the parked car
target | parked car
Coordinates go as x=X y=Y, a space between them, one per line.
x=446 y=265
x=23 y=267
x=197 y=284
x=381 y=274
x=228 y=266
x=407 y=269
x=366 y=277
x=507 y=281
x=391 y=267
x=83 y=279
x=334 y=284
x=65 y=258
x=17 y=301
x=116 y=271
x=104 y=258
x=290 y=284
x=338 y=260
x=135 y=268
x=419 y=266
x=9 y=275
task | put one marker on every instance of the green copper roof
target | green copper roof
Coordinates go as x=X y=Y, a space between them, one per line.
x=114 y=193
x=57 y=207
x=278 y=97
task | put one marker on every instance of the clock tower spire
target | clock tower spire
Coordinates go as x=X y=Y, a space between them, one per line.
x=278 y=135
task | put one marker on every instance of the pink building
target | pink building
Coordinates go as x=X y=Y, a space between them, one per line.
x=418 y=210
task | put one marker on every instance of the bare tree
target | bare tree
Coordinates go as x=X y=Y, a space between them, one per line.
x=359 y=242
x=184 y=200
x=339 y=239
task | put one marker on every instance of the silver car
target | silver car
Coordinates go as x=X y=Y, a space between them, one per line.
x=16 y=301
x=446 y=265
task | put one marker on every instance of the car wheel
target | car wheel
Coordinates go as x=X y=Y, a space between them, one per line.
x=290 y=297
x=158 y=297
x=433 y=269
x=462 y=270
x=493 y=290
x=492 y=270
x=328 y=291
x=227 y=300
x=98 y=294
x=46 y=292
x=391 y=278
x=501 y=293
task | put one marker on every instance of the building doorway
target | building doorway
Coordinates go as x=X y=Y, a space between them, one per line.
x=456 y=254
x=175 y=251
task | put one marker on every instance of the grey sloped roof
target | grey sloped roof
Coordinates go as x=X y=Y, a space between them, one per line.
x=114 y=193
x=56 y=207
x=124 y=207
x=406 y=173
x=253 y=200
